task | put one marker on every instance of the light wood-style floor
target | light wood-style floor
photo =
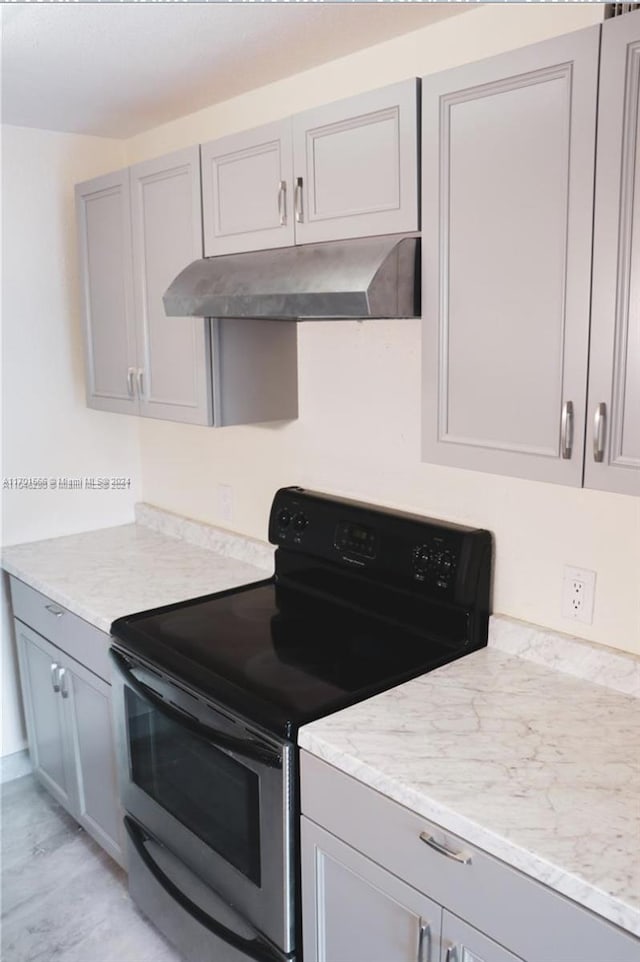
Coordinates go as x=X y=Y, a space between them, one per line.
x=63 y=898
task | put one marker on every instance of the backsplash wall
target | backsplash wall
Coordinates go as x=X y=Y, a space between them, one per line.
x=358 y=433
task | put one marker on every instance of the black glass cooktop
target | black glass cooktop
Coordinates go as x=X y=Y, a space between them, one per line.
x=279 y=655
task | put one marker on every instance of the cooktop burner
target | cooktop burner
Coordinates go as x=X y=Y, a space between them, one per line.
x=361 y=599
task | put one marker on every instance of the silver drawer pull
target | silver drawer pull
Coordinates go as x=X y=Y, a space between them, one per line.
x=429 y=840
x=58 y=612
x=62 y=681
x=424 y=942
x=452 y=955
x=55 y=684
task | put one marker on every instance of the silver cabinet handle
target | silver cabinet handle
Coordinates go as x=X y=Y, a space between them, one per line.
x=282 y=202
x=429 y=840
x=62 y=682
x=297 y=201
x=424 y=942
x=55 y=684
x=566 y=431
x=452 y=955
x=139 y=375
x=58 y=612
x=130 y=375
x=599 y=426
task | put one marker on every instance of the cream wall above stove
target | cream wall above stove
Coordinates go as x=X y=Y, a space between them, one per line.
x=358 y=433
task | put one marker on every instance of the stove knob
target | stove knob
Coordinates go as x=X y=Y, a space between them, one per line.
x=283 y=518
x=300 y=522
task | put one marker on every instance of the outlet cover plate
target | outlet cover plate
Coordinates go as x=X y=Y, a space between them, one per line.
x=225 y=503
x=578 y=594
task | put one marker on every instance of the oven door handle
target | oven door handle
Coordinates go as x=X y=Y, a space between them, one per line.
x=257 y=948
x=246 y=747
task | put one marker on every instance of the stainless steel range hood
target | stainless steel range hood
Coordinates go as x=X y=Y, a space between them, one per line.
x=369 y=277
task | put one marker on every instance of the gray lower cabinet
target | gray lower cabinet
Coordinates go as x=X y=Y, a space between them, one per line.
x=355 y=911
x=507 y=204
x=382 y=884
x=463 y=943
x=344 y=169
x=50 y=747
x=68 y=716
x=612 y=455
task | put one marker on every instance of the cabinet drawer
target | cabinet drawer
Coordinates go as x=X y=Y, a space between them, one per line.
x=76 y=637
x=520 y=913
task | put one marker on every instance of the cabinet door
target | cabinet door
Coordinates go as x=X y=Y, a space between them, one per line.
x=357 y=161
x=462 y=943
x=104 y=242
x=507 y=192
x=47 y=723
x=354 y=910
x=93 y=745
x=246 y=190
x=613 y=428
x=173 y=375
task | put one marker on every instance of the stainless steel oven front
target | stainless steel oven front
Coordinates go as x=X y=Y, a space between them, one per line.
x=211 y=795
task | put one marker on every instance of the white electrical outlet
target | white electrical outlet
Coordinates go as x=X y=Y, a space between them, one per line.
x=225 y=502
x=578 y=593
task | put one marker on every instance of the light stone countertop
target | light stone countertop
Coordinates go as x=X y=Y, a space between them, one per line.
x=101 y=575
x=536 y=767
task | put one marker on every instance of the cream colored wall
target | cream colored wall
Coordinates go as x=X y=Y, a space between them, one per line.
x=358 y=430
x=47 y=429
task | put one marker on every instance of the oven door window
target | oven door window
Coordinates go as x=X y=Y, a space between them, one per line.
x=213 y=795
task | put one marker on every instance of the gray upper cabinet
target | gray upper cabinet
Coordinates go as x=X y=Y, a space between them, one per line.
x=173 y=373
x=137 y=229
x=346 y=169
x=612 y=453
x=508 y=155
x=246 y=190
x=104 y=240
x=356 y=166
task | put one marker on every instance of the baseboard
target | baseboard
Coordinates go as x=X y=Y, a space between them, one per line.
x=14 y=766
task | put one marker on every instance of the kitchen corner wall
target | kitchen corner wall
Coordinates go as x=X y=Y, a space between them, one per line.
x=47 y=430
x=358 y=433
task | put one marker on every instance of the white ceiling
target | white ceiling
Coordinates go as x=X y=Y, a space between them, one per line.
x=117 y=69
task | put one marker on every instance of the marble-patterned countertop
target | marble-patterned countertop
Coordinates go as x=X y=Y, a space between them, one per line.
x=101 y=575
x=536 y=767
x=529 y=763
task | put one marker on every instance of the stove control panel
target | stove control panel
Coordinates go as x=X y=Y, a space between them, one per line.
x=376 y=556
x=435 y=561
x=288 y=524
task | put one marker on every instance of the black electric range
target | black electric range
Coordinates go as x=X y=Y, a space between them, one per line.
x=362 y=598
x=208 y=695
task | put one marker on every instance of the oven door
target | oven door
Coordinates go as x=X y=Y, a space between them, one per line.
x=212 y=789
